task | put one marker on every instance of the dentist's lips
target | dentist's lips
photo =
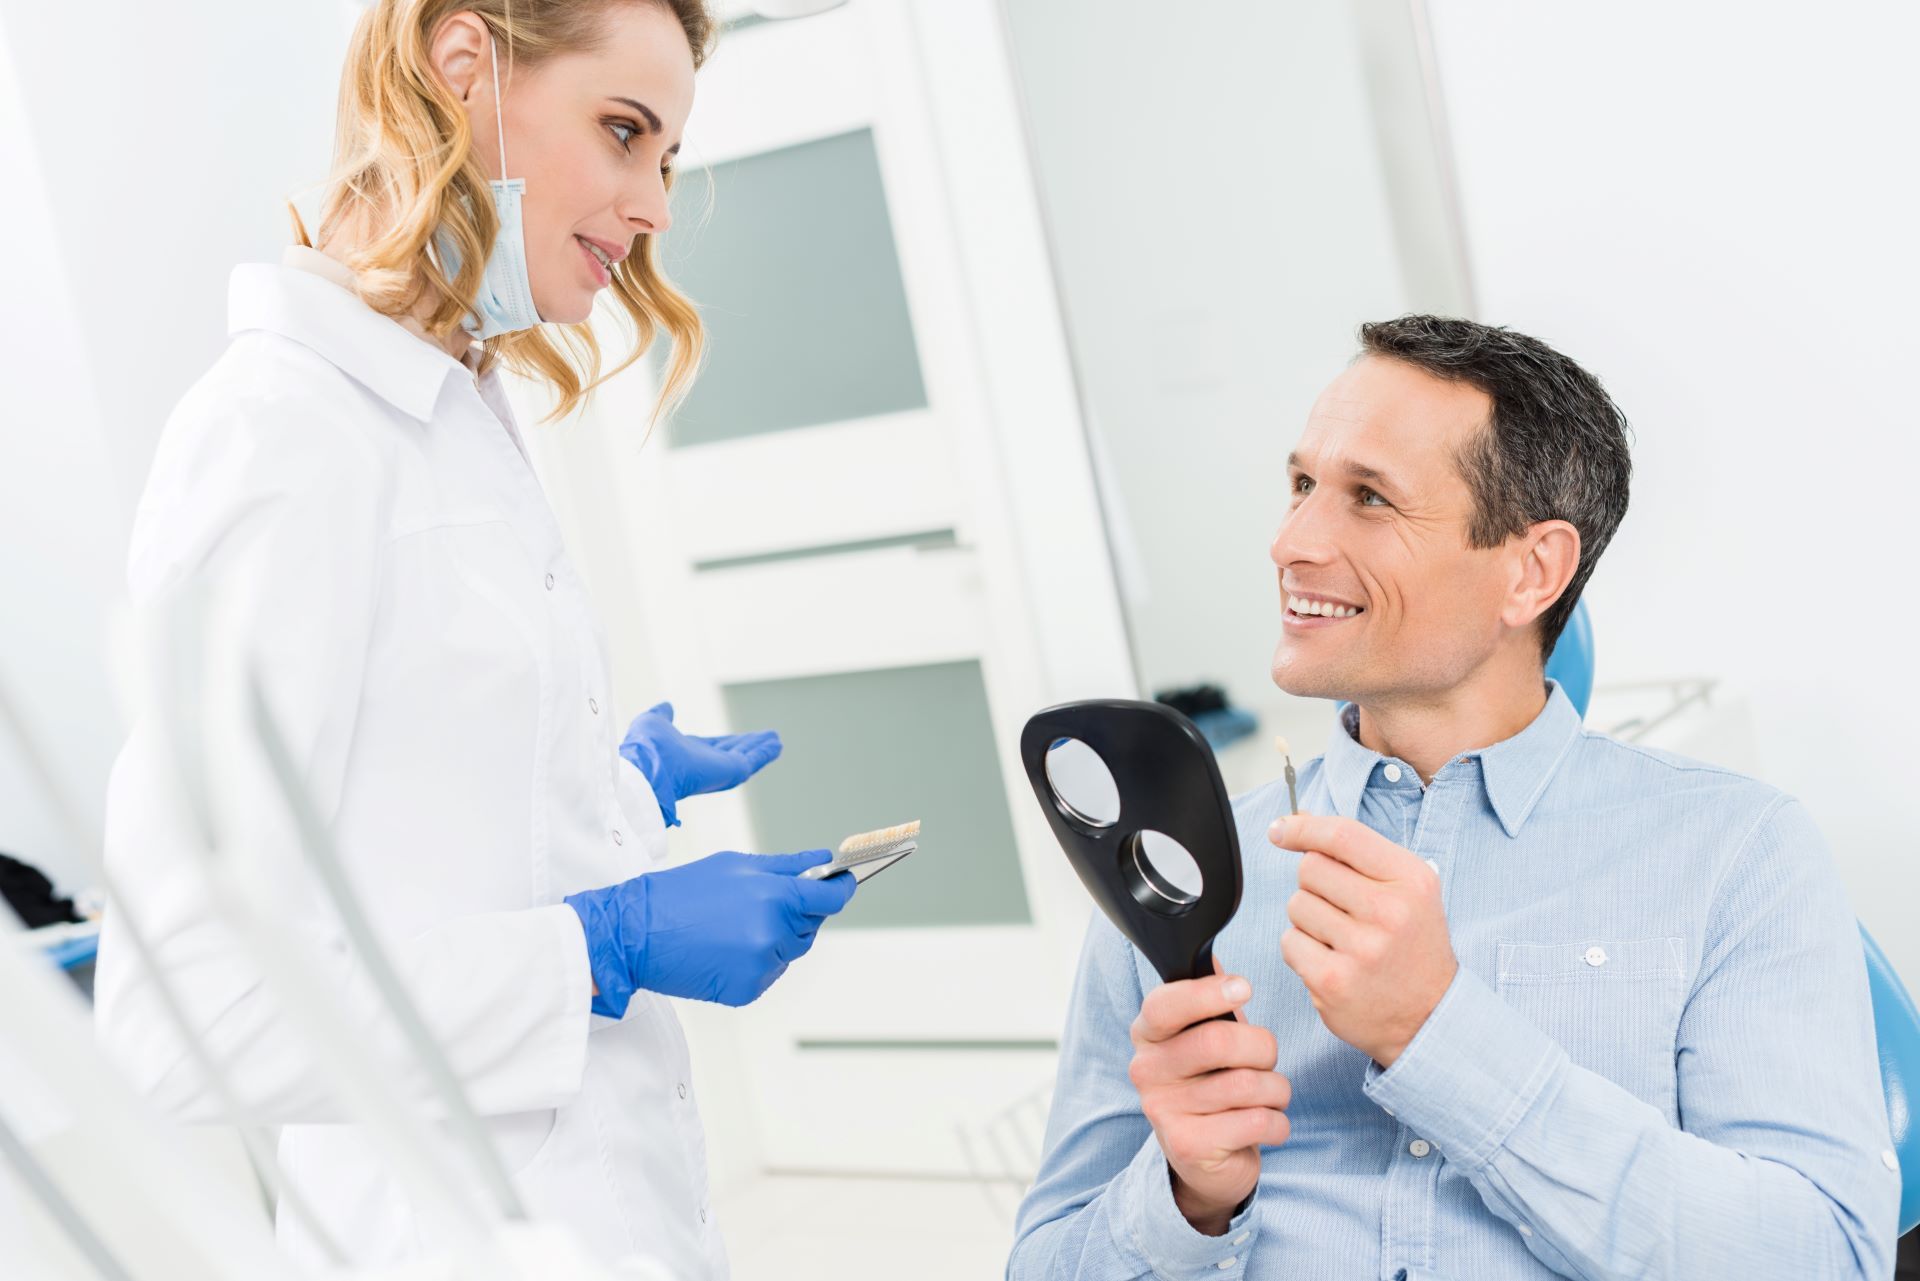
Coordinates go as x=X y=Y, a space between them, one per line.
x=601 y=275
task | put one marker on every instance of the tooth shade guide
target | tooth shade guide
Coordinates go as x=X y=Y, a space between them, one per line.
x=1293 y=796
x=884 y=836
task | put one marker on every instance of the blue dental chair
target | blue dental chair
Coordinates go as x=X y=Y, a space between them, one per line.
x=1896 y=1020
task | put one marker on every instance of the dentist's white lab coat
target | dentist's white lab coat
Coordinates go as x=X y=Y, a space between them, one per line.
x=366 y=507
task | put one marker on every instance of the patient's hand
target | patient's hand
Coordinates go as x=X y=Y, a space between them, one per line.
x=1369 y=936
x=1210 y=1092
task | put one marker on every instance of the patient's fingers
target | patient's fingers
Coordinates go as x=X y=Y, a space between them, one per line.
x=1232 y=1089
x=1208 y=1047
x=1172 y=1008
x=1203 y=1140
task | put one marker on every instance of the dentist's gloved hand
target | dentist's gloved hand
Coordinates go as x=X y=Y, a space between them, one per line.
x=721 y=929
x=682 y=765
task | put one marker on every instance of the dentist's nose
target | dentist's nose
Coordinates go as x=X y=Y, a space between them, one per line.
x=646 y=209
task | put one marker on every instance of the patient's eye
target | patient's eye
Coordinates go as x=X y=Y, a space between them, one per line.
x=1302 y=485
x=1370 y=499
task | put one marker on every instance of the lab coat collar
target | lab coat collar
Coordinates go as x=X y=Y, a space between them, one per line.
x=313 y=304
x=1514 y=772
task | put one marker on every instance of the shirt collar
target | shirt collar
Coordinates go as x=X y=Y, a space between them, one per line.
x=1515 y=772
x=309 y=298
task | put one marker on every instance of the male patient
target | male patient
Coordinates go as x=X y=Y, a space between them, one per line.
x=1511 y=999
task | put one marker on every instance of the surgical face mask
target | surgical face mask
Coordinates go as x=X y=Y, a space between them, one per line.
x=505 y=301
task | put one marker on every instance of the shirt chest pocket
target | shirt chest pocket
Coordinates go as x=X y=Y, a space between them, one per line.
x=1613 y=1004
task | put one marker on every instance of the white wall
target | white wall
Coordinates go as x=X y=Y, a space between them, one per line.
x=60 y=520
x=1220 y=227
x=1711 y=206
x=148 y=148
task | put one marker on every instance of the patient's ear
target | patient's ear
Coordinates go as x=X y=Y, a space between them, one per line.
x=1546 y=557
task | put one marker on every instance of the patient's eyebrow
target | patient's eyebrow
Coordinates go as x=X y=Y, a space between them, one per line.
x=1359 y=471
x=653 y=121
x=1374 y=477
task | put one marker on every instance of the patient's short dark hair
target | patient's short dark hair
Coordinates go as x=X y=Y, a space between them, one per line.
x=1555 y=449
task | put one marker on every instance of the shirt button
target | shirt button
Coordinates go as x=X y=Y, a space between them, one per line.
x=593 y=705
x=1392 y=773
x=1595 y=956
x=1419 y=1147
x=617 y=838
x=1242 y=1238
x=1525 y=1231
x=549 y=582
x=1434 y=864
x=1891 y=1161
x=1226 y=1263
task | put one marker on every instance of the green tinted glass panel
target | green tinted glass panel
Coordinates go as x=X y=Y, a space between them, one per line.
x=866 y=750
x=790 y=256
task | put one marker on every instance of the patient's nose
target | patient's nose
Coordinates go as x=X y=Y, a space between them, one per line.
x=1301 y=538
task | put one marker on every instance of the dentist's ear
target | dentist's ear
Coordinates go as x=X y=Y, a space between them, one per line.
x=1549 y=553
x=459 y=51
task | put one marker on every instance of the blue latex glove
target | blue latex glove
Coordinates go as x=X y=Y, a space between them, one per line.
x=719 y=929
x=682 y=765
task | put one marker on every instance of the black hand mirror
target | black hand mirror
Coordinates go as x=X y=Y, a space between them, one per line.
x=1135 y=798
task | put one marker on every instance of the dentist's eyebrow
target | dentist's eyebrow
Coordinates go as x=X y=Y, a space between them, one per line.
x=653 y=121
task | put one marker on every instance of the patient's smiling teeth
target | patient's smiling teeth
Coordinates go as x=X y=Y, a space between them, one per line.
x=1306 y=608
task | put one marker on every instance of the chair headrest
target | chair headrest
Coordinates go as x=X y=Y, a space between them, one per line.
x=1571 y=662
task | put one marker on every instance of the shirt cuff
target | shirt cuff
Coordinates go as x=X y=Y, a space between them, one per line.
x=640 y=754
x=1469 y=1075
x=1153 y=1227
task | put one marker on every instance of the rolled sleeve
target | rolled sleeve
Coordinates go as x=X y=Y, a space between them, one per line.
x=1155 y=1229
x=1469 y=1075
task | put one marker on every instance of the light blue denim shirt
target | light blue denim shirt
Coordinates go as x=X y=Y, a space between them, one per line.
x=1657 y=1059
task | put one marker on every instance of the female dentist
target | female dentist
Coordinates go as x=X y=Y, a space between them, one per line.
x=349 y=484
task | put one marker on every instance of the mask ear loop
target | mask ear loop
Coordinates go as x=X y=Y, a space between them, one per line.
x=499 y=119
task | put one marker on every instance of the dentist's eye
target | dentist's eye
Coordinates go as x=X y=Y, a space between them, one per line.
x=1303 y=485
x=1370 y=499
x=624 y=133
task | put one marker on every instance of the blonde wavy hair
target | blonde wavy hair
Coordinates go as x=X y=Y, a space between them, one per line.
x=404 y=169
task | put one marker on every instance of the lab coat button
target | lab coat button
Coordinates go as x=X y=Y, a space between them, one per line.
x=593 y=705
x=1891 y=1161
x=1595 y=956
x=549 y=582
x=1419 y=1148
x=1392 y=772
x=703 y=1214
x=683 y=1089
x=617 y=838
